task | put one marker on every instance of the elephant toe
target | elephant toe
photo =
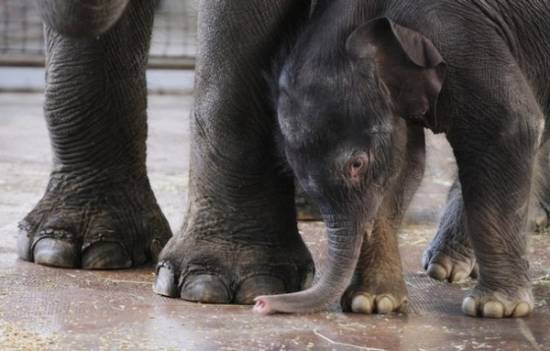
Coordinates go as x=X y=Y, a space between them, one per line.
x=386 y=304
x=380 y=304
x=258 y=285
x=490 y=309
x=56 y=253
x=444 y=267
x=362 y=304
x=437 y=271
x=166 y=282
x=105 y=255
x=522 y=309
x=205 y=288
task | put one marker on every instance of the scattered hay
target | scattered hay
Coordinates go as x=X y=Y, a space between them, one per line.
x=13 y=337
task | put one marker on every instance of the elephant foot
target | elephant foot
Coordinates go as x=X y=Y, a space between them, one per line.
x=93 y=229
x=491 y=304
x=449 y=266
x=450 y=258
x=379 y=293
x=203 y=265
x=222 y=274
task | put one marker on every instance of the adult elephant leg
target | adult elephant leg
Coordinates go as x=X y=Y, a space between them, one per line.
x=239 y=239
x=80 y=18
x=378 y=285
x=450 y=255
x=98 y=211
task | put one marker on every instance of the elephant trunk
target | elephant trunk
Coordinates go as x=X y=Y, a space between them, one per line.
x=344 y=248
x=81 y=18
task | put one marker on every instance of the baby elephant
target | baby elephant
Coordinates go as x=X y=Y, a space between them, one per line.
x=354 y=94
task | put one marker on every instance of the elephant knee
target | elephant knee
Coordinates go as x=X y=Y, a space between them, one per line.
x=81 y=18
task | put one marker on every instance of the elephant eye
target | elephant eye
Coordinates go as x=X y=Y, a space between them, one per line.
x=357 y=163
x=357 y=166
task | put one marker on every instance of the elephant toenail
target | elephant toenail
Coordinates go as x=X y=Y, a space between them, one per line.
x=437 y=271
x=105 y=255
x=522 y=310
x=384 y=305
x=205 y=288
x=165 y=283
x=56 y=253
x=493 y=309
x=458 y=276
x=469 y=306
x=361 y=304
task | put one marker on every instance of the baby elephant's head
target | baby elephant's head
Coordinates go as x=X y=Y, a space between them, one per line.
x=343 y=115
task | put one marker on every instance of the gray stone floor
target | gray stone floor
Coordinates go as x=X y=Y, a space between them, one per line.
x=43 y=308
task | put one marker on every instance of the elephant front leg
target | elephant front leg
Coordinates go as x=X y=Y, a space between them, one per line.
x=496 y=207
x=378 y=285
x=450 y=255
x=496 y=151
x=240 y=238
x=98 y=211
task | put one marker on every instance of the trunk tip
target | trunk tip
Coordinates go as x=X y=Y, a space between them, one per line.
x=263 y=306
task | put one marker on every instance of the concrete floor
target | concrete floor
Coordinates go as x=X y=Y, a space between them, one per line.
x=43 y=308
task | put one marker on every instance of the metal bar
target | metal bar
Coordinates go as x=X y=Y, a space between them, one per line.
x=22 y=60
x=171 y=62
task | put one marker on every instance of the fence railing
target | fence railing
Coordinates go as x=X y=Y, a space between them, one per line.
x=173 y=44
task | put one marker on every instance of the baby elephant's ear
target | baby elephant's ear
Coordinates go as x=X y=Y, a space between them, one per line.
x=408 y=64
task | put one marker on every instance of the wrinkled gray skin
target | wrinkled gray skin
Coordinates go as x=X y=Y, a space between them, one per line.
x=240 y=238
x=476 y=71
x=81 y=18
x=98 y=211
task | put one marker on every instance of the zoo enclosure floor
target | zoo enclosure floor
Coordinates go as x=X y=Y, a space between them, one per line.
x=43 y=308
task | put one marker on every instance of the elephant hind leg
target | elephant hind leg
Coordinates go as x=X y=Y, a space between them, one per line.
x=450 y=256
